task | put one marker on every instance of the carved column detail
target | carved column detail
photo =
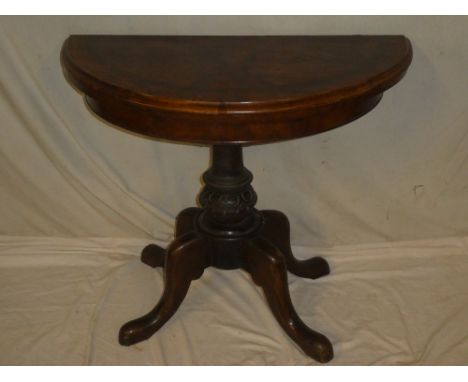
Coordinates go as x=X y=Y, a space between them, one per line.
x=228 y=199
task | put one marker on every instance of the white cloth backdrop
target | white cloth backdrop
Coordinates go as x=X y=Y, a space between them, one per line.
x=78 y=199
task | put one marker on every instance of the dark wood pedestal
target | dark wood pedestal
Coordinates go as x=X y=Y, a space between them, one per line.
x=229 y=233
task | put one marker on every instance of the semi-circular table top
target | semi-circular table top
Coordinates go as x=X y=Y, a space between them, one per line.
x=233 y=89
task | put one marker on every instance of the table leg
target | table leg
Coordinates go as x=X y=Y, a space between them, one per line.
x=186 y=259
x=267 y=266
x=154 y=255
x=276 y=229
x=228 y=233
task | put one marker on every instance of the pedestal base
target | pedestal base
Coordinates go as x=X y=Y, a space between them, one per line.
x=265 y=254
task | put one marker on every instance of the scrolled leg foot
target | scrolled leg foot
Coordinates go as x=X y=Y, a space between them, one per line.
x=186 y=259
x=312 y=268
x=267 y=266
x=153 y=255
x=276 y=229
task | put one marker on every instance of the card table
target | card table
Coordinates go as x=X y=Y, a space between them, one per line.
x=228 y=92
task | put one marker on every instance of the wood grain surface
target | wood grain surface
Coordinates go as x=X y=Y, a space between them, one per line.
x=233 y=89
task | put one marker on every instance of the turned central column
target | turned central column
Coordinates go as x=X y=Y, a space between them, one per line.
x=228 y=198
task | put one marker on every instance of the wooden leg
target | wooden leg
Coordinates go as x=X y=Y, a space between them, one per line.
x=185 y=221
x=276 y=230
x=227 y=233
x=186 y=259
x=267 y=266
x=154 y=255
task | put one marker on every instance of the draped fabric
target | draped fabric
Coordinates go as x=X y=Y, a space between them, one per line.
x=63 y=301
x=385 y=198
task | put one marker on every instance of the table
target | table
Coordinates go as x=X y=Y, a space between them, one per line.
x=228 y=92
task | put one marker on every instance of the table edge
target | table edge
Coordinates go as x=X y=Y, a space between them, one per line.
x=98 y=89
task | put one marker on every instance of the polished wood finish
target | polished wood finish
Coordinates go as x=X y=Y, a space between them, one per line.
x=228 y=92
x=233 y=89
x=266 y=255
x=229 y=233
